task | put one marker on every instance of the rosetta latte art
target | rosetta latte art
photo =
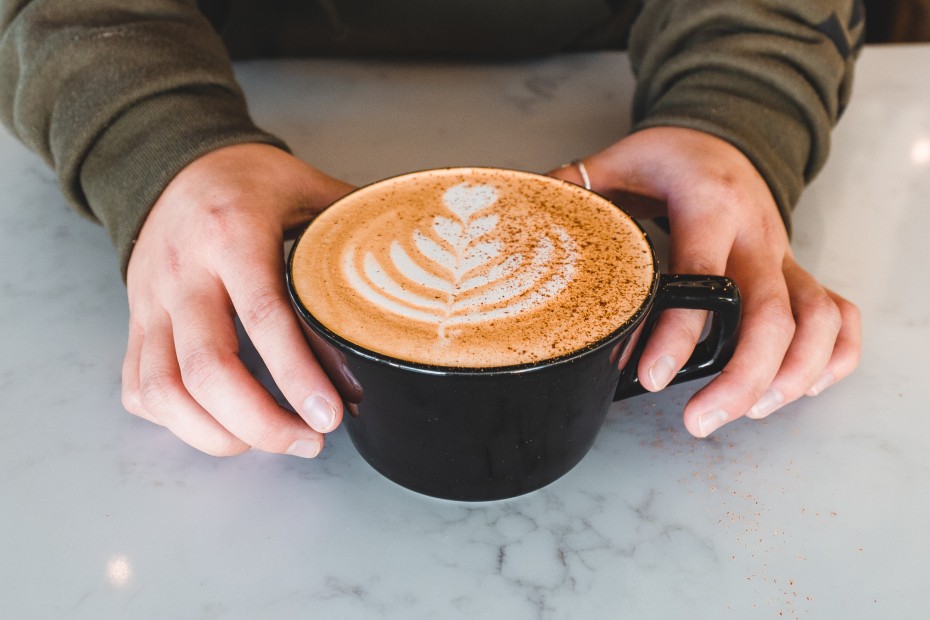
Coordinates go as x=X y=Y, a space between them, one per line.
x=472 y=268
x=460 y=271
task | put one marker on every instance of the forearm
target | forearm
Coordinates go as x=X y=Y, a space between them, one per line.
x=117 y=97
x=770 y=77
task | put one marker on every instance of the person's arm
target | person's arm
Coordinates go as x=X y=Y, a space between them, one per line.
x=770 y=77
x=732 y=115
x=135 y=106
x=118 y=97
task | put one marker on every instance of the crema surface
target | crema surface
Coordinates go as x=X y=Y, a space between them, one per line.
x=472 y=267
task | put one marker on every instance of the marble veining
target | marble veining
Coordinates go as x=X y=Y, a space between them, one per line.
x=816 y=512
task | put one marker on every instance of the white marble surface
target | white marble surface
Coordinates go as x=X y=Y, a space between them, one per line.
x=818 y=512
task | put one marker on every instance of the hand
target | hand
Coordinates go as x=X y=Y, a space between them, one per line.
x=210 y=249
x=796 y=337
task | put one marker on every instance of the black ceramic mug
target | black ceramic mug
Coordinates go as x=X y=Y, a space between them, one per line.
x=492 y=432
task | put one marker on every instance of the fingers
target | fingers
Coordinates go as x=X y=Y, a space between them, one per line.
x=793 y=342
x=707 y=247
x=825 y=347
x=677 y=331
x=216 y=378
x=796 y=337
x=130 y=374
x=817 y=325
x=766 y=332
x=210 y=247
x=186 y=376
x=847 y=351
x=674 y=338
x=260 y=300
x=163 y=397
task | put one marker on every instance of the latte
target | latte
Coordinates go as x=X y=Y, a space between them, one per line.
x=472 y=268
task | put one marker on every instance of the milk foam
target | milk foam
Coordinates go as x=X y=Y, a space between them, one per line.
x=472 y=267
x=464 y=255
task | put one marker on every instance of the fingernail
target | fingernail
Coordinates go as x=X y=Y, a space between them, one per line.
x=662 y=371
x=709 y=421
x=825 y=381
x=318 y=413
x=305 y=448
x=769 y=402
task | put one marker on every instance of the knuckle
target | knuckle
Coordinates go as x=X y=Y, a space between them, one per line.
x=265 y=308
x=718 y=182
x=727 y=192
x=155 y=388
x=725 y=189
x=200 y=369
x=777 y=315
x=289 y=373
x=826 y=312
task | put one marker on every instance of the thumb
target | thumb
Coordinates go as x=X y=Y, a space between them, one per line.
x=570 y=172
x=604 y=175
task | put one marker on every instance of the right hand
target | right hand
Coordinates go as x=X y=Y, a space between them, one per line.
x=796 y=337
x=211 y=249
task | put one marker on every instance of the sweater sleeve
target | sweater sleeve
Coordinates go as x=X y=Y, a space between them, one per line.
x=118 y=97
x=769 y=76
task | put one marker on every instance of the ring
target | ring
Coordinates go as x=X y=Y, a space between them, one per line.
x=584 y=172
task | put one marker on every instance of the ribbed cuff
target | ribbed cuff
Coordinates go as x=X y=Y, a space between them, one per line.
x=148 y=144
x=775 y=140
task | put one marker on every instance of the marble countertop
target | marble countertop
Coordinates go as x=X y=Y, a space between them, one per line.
x=817 y=512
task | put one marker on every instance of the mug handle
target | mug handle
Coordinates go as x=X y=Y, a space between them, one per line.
x=716 y=294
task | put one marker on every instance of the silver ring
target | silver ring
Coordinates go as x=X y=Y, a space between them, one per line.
x=584 y=173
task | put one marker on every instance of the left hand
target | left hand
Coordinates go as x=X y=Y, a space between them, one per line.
x=210 y=250
x=797 y=337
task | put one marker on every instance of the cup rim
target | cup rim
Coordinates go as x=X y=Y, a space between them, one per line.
x=439 y=369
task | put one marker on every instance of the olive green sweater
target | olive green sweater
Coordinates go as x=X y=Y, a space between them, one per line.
x=118 y=96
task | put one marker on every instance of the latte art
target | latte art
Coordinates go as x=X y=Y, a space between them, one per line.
x=472 y=267
x=464 y=266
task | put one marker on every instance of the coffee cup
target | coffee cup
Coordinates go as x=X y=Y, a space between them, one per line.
x=478 y=323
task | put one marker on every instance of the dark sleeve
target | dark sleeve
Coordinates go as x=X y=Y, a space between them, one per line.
x=770 y=77
x=118 y=97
